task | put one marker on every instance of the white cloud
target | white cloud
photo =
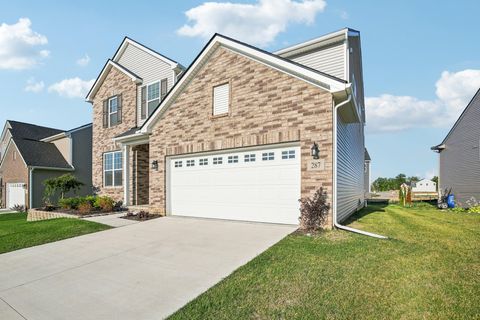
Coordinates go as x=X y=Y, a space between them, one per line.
x=83 y=61
x=344 y=15
x=72 y=88
x=257 y=24
x=34 y=86
x=19 y=45
x=396 y=113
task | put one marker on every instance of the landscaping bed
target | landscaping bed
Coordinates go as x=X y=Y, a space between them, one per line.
x=140 y=216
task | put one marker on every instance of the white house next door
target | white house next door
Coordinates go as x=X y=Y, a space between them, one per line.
x=260 y=185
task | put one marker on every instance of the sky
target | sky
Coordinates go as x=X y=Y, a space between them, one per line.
x=420 y=58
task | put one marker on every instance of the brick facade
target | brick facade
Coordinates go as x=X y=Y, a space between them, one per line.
x=115 y=83
x=267 y=106
x=13 y=170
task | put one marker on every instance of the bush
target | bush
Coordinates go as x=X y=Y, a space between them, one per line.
x=314 y=211
x=18 y=207
x=70 y=203
x=104 y=203
x=85 y=207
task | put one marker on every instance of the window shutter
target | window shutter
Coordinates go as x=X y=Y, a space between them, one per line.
x=119 y=108
x=105 y=113
x=221 y=99
x=143 y=106
x=163 y=89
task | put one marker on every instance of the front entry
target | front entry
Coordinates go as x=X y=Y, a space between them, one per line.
x=260 y=185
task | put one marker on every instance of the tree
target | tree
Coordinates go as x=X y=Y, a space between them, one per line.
x=435 y=179
x=62 y=184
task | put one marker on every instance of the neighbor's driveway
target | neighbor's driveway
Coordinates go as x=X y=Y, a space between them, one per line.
x=146 y=270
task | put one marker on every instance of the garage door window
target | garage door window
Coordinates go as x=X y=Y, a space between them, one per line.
x=217 y=160
x=249 y=158
x=289 y=154
x=178 y=164
x=232 y=159
x=267 y=156
x=190 y=163
x=204 y=162
x=112 y=167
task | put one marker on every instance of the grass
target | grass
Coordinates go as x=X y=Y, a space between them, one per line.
x=16 y=233
x=428 y=269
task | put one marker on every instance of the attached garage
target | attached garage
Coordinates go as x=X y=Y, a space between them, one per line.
x=15 y=194
x=250 y=184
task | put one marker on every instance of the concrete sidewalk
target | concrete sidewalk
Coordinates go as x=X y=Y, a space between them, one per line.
x=113 y=220
x=146 y=270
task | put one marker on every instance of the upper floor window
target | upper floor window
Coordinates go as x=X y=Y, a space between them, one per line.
x=221 y=99
x=112 y=111
x=152 y=94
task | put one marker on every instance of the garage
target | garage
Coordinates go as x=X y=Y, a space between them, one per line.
x=15 y=194
x=248 y=184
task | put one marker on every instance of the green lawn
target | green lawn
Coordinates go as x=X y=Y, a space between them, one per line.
x=428 y=269
x=16 y=233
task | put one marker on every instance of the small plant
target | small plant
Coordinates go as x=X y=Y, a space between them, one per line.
x=70 y=203
x=85 y=207
x=18 y=207
x=457 y=210
x=104 y=203
x=474 y=209
x=314 y=211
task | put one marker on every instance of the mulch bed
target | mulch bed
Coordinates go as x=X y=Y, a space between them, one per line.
x=140 y=216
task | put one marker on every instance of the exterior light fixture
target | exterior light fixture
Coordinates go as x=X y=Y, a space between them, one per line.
x=155 y=165
x=315 y=152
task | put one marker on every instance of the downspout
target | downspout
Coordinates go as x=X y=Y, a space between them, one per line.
x=335 y=222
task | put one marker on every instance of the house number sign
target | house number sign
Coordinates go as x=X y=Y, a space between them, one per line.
x=316 y=165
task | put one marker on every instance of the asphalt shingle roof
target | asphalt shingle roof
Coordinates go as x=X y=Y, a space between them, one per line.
x=31 y=131
x=41 y=154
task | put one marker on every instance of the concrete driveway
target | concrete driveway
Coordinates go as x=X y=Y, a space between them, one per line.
x=146 y=270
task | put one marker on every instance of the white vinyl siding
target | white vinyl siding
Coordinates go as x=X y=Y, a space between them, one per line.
x=147 y=67
x=221 y=99
x=330 y=60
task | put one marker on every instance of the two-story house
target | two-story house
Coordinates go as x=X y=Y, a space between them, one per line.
x=241 y=135
x=30 y=154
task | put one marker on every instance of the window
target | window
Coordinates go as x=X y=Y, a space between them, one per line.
x=217 y=160
x=266 y=156
x=203 y=162
x=178 y=164
x=112 y=111
x=190 y=163
x=289 y=154
x=112 y=168
x=152 y=94
x=249 y=158
x=221 y=99
x=232 y=159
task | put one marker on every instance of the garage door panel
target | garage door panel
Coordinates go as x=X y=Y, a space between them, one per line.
x=259 y=190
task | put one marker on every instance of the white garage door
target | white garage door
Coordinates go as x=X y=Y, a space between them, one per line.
x=15 y=194
x=250 y=185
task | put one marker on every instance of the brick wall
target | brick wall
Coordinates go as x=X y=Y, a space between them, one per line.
x=115 y=83
x=13 y=171
x=267 y=106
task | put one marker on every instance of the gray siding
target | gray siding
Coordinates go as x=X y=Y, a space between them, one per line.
x=148 y=67
x=460 y=160
x=350 y=168
x=330 y=60
x=82 y=158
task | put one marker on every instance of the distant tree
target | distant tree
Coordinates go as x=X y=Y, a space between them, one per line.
x=413 y=179
x=435 y=179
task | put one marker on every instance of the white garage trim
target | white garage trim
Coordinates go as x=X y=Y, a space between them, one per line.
x=260 y=184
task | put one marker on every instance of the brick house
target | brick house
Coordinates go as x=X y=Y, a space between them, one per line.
x=241 y=134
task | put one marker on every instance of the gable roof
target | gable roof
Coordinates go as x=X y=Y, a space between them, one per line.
x=31 y=131
x=312 y=76
x=367 y=155
x=441 y=146
x=41 y=154
x=103 y=74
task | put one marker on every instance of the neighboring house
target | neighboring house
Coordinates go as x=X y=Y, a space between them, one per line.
x=29 y=154
x=424 y=186
x=242 y=134
x=459 y=156
x=366 y=179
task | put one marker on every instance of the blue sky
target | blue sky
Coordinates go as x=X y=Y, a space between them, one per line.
x=420 y=59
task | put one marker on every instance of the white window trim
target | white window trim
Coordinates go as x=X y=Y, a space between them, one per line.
x=109 y=111
x=112 y=170
x=146 y=95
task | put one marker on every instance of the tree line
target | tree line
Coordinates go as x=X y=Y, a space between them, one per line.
x=387 y=184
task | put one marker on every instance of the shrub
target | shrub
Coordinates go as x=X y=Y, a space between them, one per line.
x=314 y=211
x=18 y=207
x=104 y=203
x=70 y=203
x=85 y=207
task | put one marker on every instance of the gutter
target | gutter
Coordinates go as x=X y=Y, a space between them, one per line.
x=335 y=215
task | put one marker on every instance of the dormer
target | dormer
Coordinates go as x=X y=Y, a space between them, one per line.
x=337 y=54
